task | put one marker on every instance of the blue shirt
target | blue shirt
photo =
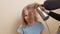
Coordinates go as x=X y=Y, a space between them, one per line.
x=36 y=28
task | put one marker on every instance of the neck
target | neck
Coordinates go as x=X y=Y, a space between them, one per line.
x=32 y=22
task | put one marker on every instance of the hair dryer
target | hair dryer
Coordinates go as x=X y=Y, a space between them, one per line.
x=44 y=15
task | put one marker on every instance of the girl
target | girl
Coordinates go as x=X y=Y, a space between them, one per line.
x=30 y=24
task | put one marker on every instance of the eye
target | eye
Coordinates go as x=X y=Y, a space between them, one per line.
x=25 y=15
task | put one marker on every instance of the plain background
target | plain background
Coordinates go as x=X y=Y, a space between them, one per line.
x=10 y=16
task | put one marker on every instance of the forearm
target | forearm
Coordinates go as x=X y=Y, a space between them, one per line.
x=55 y=16
x=52 y=4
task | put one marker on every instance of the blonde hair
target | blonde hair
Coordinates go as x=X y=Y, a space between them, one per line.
x=30 y=8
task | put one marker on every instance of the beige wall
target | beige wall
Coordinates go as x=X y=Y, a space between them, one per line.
x=10 y=16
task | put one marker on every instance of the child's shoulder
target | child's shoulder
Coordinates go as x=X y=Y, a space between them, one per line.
x=20 y=26
x=39 y=22
x=20 y=29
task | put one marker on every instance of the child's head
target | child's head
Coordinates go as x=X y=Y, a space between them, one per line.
x=29 y=14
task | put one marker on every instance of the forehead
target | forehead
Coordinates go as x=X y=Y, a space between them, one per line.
x=26 y=12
